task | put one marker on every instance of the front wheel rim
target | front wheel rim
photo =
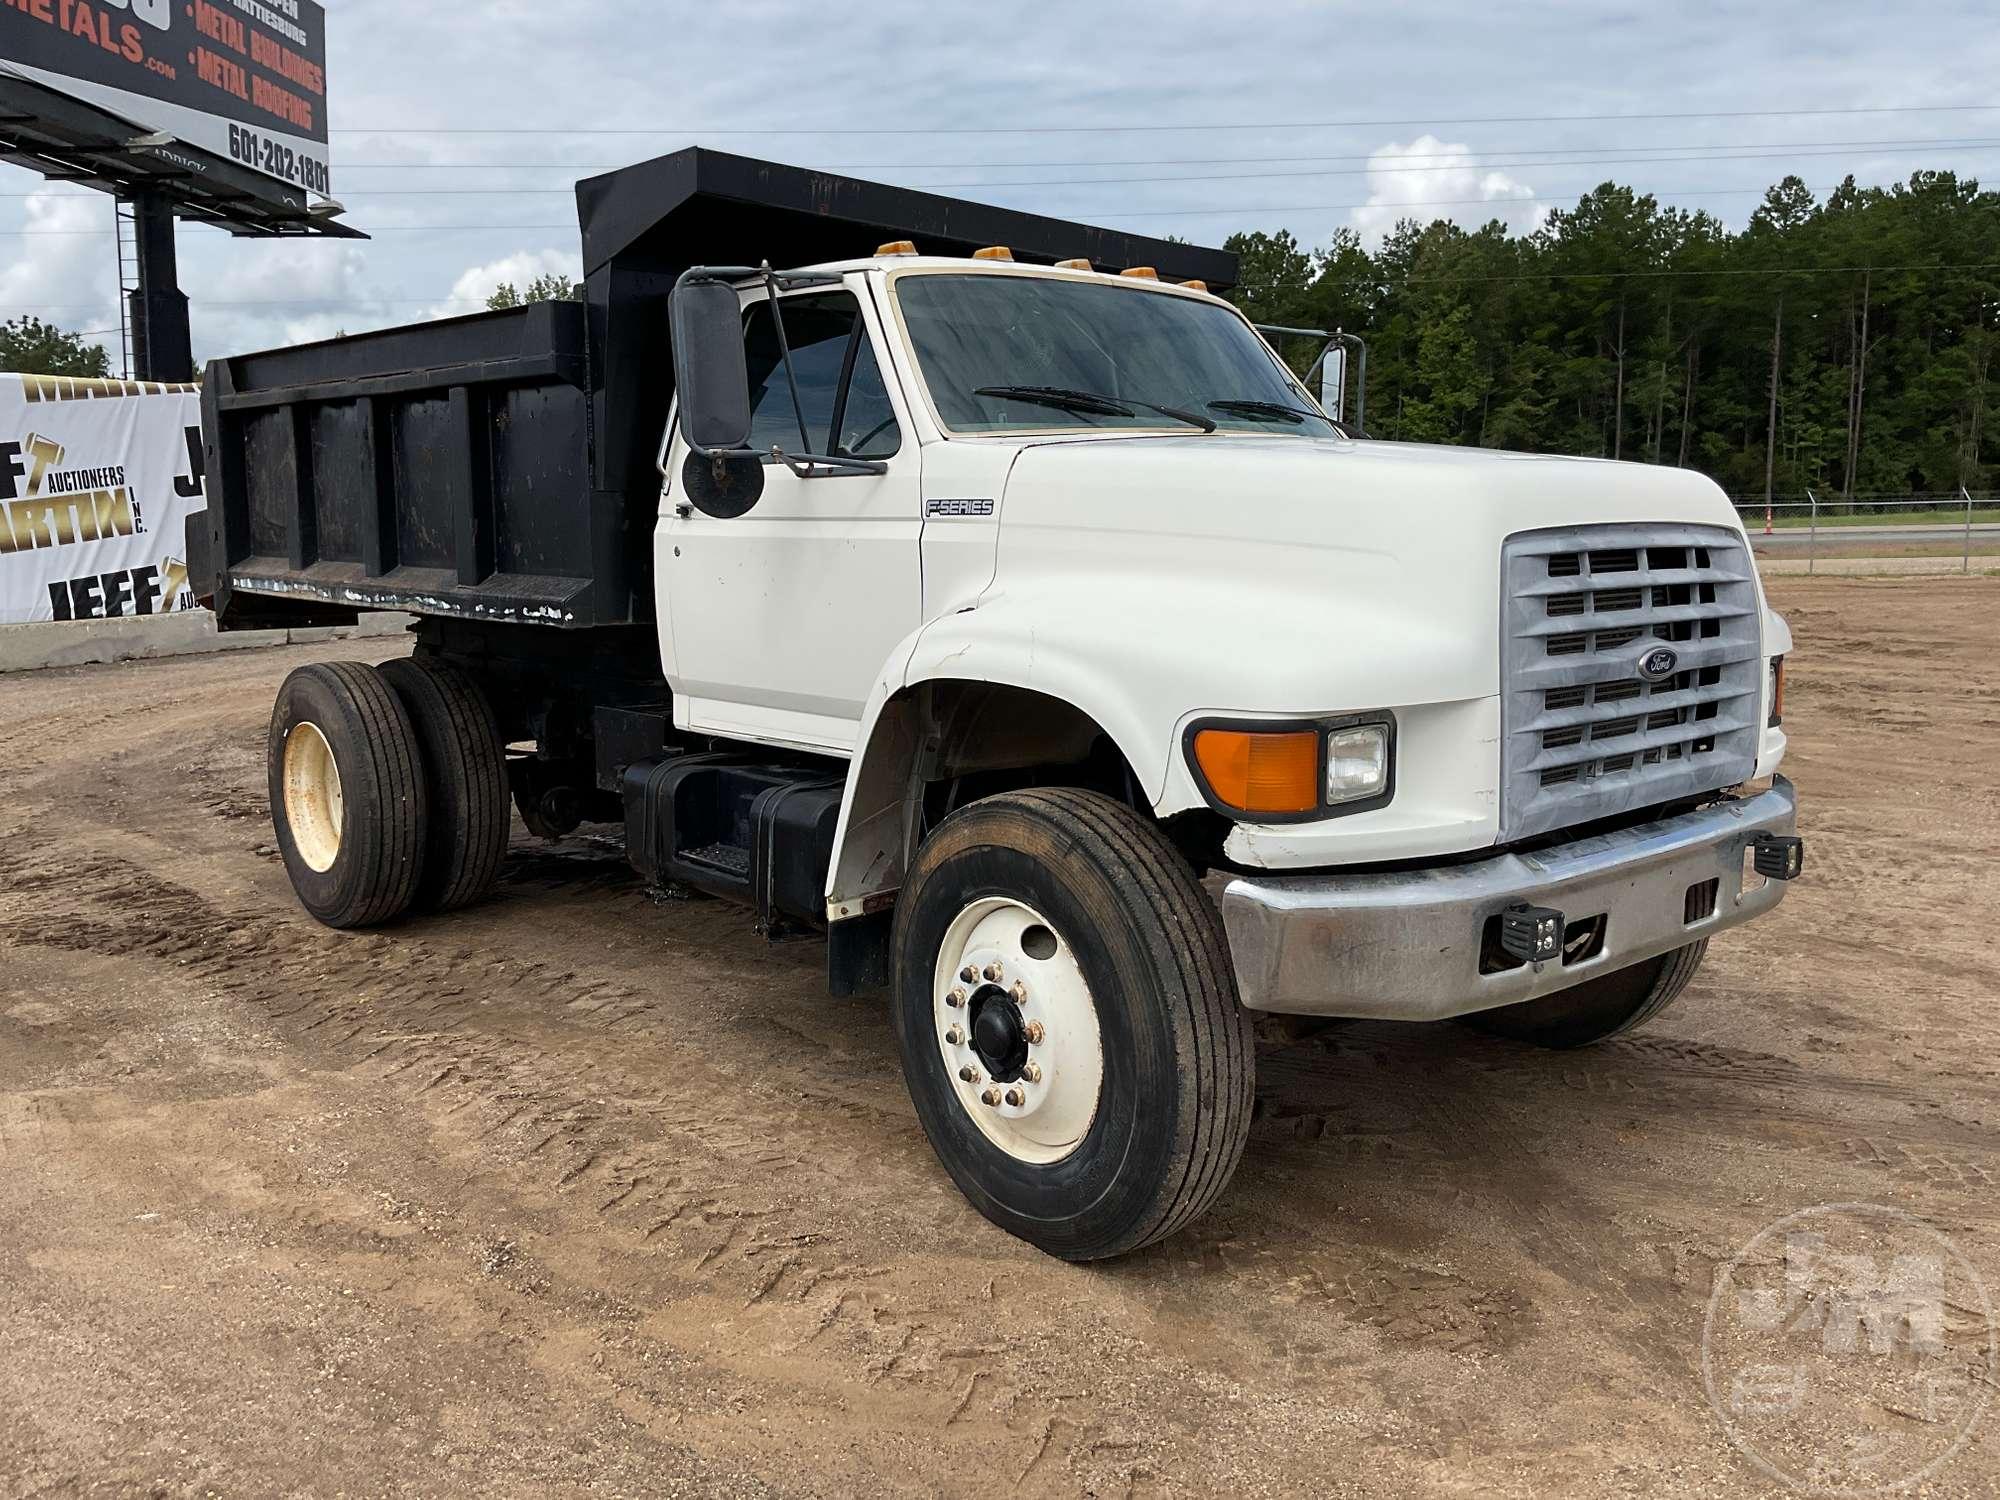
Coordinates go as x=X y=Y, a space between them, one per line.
x=1017 y=1030
x=314 y=805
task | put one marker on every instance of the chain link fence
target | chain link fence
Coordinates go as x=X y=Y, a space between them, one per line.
x=1939 y=524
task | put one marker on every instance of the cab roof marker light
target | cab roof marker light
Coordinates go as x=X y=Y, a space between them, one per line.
x=1074 y=265
x=993 y=252
x=1142 y=273
x=1194 y=285
x=897 y=247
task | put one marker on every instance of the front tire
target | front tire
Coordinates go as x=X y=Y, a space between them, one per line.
x=1598 y=1009
x=347 y=794
x=1089 y=1089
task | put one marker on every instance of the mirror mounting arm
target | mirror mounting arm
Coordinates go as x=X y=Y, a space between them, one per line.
x=820 y=465
x=785 y=351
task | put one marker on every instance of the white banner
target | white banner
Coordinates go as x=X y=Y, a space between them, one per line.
x=97 y=480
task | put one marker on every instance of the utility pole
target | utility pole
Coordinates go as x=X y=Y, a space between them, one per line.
x=1857 y=391
x=1618 y=401
x=1771 y=433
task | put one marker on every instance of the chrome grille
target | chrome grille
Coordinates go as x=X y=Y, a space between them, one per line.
x=1586 y=736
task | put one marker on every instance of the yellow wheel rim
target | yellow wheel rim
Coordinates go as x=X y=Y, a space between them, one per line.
x=313 y=803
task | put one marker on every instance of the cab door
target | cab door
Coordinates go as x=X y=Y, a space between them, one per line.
x=782 y=619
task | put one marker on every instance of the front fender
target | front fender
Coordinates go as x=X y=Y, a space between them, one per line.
x=1139 y=653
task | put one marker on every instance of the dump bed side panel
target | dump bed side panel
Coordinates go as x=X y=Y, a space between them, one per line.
x=442 y=469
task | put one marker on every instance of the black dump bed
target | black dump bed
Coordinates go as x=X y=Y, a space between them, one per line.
x=500 y=467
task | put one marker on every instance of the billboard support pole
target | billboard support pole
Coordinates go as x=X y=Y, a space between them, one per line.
x=162 y=345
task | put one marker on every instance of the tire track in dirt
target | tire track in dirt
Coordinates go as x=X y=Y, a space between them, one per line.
x=1401 y=1294
x=691 y=1175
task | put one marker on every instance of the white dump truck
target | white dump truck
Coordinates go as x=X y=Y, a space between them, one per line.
x=981 y=594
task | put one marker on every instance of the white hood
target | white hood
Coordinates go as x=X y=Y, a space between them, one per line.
x=1264 y=558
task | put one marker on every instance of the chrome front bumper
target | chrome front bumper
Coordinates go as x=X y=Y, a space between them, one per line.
x=1406 y=946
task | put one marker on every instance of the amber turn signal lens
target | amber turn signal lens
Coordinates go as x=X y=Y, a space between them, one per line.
x=1777 y=691
x=1260 y=772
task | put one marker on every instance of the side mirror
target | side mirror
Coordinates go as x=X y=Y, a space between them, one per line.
x=710 y=375
x=1333 y=381
x=723 y=476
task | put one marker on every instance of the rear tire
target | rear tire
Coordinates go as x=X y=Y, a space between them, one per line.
x=1126 y=1004
x=1600 y=1008
x=465 y=779
x=347 y=794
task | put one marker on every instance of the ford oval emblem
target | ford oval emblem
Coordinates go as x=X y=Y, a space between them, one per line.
x=1658 y=664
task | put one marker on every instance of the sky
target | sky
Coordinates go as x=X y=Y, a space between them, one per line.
x=459 y=128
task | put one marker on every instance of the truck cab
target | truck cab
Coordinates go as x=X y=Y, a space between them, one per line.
x=1021 y=623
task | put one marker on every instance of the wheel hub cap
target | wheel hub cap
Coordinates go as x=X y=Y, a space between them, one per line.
x=1017 y=1030
x=999 y=1036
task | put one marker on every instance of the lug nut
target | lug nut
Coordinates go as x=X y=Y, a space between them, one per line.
x=992 y=1097
x=968 y=973
x=954 y=1036
x=1032 y=1072
x=1016 y=1098
x=993 y=972
x=969 y=1075
x=1019 y=992
x=1035 y=1033
x=955 y=999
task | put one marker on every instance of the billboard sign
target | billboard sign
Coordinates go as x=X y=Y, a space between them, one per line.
x=244 y=80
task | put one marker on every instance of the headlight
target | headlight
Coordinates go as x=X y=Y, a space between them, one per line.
x=1294 y=771
x=1357 y=763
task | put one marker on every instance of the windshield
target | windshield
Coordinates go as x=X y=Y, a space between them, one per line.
x=1001 y=353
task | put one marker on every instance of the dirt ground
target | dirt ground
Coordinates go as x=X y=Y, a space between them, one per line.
x=578 y=1192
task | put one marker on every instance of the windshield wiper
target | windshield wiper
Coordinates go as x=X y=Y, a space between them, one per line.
x=1276 y=410
x=1090 y=402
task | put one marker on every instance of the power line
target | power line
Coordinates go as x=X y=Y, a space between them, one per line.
x=1719 y=271
x=1351 y=124
x=355 y=304
x=1295 y=208
x=1931 y=142
x=1469 y=163
x=30 y=234
x=1497 y=204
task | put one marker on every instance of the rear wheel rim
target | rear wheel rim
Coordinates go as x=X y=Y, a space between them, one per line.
x=1017 y=1030
x=313 y=801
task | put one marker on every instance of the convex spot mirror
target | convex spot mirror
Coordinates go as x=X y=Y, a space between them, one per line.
x=725 y=486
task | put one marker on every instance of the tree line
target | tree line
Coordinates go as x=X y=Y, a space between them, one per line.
x=1846 y=345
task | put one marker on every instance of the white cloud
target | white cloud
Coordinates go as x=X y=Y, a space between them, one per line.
x=474 y=286
x=1433 y=179
x=65 y=272
x=275 y=292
